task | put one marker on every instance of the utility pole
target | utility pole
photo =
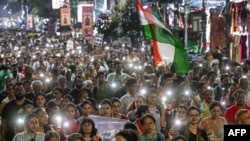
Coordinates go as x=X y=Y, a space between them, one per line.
x=228 y=25
x=186 y=11
x=176 y=15
x=204 y=25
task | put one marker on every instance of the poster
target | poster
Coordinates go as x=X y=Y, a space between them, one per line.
x=87 y=23
x=65 y=17
x=108 y=131
x=29 y=23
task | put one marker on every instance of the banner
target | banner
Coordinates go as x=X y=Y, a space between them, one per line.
x=29 y=24
x=98 y=39
x=107 y=127
x=65 y=17
x=56 y=4
x=87 y=23
x=51 y=27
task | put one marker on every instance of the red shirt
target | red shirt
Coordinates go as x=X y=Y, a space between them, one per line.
x=68 y=127
x=230 y=114
x=123 y=116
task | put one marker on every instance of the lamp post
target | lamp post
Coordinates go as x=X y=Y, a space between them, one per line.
x=228 y=28
x=186 y=13
x=74 y=4
x=176 y=14
x=204 y=24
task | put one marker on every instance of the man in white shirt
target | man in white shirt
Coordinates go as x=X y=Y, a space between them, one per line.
x=130 y=96
x=40 y=63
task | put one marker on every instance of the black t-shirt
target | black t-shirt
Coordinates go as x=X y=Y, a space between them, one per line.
x=75 y=94
x=11 y=113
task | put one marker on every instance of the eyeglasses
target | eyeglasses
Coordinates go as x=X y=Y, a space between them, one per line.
x=192 y=116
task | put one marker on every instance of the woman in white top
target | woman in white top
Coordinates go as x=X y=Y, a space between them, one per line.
x=30 y=134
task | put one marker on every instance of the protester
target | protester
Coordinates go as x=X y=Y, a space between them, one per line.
x=32 y=124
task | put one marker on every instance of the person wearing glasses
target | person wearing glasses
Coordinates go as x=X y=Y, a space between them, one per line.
x=242 y=117
x=43 y=120
x=191 y=131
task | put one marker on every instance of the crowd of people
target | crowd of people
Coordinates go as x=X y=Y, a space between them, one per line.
x=49 y=89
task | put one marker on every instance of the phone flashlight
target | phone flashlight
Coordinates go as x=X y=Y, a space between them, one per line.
x=169 y=93
x=47 y=80
x=227 y=67
x=143 y=91
x=130 y=65
x=223 y=103
x=187 y=92
x=58 y=121
x=20 y=121
x=113 y=85
x=41 y=75
x=107 y=48
x=177 y=122
x=66 y=125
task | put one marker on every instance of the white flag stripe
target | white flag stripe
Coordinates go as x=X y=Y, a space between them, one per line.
x=151 y=19
x=166 y=52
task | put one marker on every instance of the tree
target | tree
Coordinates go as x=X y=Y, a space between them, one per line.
x=125 y=22
x=42 y=8
x=105 y=26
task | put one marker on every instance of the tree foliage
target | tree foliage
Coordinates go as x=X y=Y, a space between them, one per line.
x=125 y=22
x=42 y=8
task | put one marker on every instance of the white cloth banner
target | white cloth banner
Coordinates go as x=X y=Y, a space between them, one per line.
x=108 y=127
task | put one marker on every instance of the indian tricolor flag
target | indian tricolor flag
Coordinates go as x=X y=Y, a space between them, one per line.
x=167 y=49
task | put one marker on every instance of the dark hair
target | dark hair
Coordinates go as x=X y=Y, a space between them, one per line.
x=144 y=117
x=50 y=107
x=141 y=109
x=28 y=117
x=88 y=120
x=236 y=93
x=181 y=106
x=200 y=84
x=39 y=94
x=128 y=135
x=68 y=96
x=27 y=106
x=192 y=108
x=70 y=104
x=85 y=102
x=214 y=104
x=223 y=76
x=18 y=84
x=131 y=81
x=51 y=134
x=82 y=92
x=106 y=101
x=115 y=99
x=57 y=88
x=129 y=126
x=37 y=110
x=74 y=136
x=179 y=137
x=93 y=102
x=210 y=73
